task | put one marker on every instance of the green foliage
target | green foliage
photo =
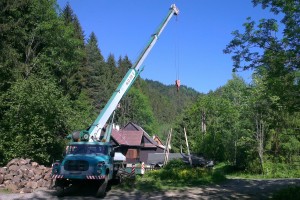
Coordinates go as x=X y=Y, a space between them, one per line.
x=40 y=61
x=175 y=164
x=35 y=120
x=135 y=107
x=277 y=169
x=176 y=174
x=166 y=101
x=212 y=123
x=52 y=83
x=271 y=53
x=97 y=75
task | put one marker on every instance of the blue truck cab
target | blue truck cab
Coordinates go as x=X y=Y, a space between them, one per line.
x=85 y=160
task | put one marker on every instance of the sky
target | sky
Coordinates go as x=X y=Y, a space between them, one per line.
x=191 y=46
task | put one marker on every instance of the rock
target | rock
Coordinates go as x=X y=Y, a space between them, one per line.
x=13 y=167
x=37 y=177
x=34 y=164
x=48 y=184
x=30 y=173
x=16 y=179
x=3 y=170
x=26 y=190
x=12 y=187
x=13 y=172
x=24 y=161
x=1 y=179
x=24 y=167
x=47 y=176
x=6 y=182
x=28 y=160
x=38 y=172
x=42 y=167
x=20 y=173
x=22 y=184
x=31 y=184
x=8 y=177
x=13 y=162
x=24 y=176
x=40 y=183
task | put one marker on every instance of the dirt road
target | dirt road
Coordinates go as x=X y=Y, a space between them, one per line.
x=231 y=189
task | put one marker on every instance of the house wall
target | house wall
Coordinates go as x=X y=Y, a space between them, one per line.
x=131 y=153
x=136 y=154
x=145 y=151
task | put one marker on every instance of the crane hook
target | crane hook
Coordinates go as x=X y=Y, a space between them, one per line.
x=177 y=83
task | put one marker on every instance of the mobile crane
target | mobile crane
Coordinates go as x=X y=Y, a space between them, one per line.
x=89 y=155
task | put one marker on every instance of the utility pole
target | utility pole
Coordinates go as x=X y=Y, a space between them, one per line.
x=187 y=145
x=167 y=147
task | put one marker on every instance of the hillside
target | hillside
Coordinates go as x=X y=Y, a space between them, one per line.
x=167 y=104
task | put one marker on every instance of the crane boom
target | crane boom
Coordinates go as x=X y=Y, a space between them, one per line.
x=94 y=131
x=90 y=156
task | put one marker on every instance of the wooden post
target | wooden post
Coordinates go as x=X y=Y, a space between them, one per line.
x=167 y=147
x=187 y=145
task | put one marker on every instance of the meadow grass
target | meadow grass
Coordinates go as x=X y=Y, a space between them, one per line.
x=173 y=176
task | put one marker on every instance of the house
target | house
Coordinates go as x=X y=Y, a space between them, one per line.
x=159 y=141
x=133 y=142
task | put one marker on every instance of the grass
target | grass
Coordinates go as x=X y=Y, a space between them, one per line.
x=271 y=170
x=176 y=175
x=4 y=191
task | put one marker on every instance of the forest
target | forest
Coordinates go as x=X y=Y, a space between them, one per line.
x=54 y=80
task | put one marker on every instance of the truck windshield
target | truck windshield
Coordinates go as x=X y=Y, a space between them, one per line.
x=86 y=149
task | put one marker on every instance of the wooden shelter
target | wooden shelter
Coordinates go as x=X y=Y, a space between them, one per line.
x=133 y=142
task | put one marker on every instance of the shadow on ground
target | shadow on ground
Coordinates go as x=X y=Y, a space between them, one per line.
x=230 y=189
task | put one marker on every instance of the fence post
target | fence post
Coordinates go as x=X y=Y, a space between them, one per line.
x=133 y=169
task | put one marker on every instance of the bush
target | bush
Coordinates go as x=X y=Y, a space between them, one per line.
x=175 y=164
x=281 y=170
x=177 y=173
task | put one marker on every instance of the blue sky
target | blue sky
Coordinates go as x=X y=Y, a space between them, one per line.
x=190 y=47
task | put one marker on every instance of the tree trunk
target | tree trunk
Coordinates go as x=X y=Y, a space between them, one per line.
x=260 y=141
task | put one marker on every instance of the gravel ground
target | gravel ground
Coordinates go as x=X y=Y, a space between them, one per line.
x=230 y=189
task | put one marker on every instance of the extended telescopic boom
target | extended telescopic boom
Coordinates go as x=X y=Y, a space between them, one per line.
x=94 y=131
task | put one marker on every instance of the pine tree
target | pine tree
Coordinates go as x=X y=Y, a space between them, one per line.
x=98 y=73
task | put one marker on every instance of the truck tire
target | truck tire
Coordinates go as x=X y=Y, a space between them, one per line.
x=59 y=187
x=59 y=191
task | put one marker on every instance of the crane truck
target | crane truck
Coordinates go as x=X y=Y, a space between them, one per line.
x=89 y=154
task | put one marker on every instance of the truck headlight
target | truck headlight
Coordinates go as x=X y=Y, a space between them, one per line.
x=100 y=164
x=86 y=136
x=55 y=167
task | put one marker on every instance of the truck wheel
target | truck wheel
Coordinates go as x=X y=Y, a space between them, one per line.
x=59 y=187
x=59 y=191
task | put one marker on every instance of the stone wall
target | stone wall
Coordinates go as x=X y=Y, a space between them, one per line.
x=24 y=176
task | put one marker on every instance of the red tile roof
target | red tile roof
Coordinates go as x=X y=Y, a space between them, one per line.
x=132 y=135
x=130 y=138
